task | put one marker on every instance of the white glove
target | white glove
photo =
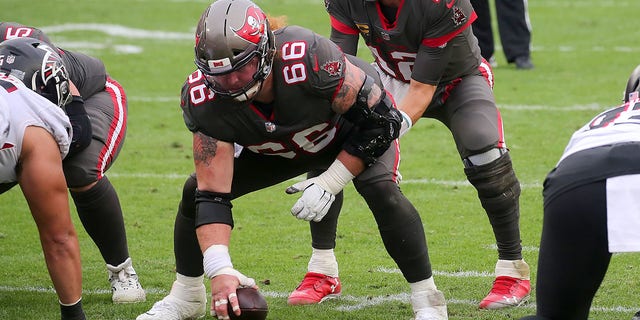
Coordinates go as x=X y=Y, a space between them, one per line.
x=319 y=192
x=314 y=202
x=406 y=123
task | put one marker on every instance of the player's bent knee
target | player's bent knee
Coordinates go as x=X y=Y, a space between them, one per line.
x=495 y=180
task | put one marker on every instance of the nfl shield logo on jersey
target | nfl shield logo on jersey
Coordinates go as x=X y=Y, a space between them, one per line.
x=270 y=126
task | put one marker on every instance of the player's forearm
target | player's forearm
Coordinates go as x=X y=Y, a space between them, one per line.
x=417 y=99
x=213 y=234
x=352 y=163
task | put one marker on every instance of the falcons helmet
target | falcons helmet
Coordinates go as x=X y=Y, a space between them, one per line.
x=633 y=84
x=234 y=48
x=38 y=65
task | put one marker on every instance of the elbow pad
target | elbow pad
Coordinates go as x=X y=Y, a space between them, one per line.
x=81 y=124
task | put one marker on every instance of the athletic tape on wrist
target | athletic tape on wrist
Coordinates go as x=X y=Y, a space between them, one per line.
x=335 y=178
x=216 y=258
x=406 y=123
x=244 y=280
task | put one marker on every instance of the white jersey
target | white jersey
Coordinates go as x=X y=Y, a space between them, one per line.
x=617 y=125
x=20 y=108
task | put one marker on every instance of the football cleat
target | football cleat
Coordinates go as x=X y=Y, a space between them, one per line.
x=429 y=305
x=125 y=286
x=506 y=292
x=511 y=287
x=182 y=303
x=315 y=288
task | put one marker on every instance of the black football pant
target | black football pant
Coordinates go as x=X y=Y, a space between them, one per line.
x=398 y=221
x=574 y=254
x=467 y=107
x=99 y=207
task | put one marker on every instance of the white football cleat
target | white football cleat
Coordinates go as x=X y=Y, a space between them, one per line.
x=124 y=283
x=182 y=303
x=429 y=305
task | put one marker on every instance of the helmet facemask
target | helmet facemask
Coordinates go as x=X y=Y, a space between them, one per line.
x=51 y=81
x=234 y=48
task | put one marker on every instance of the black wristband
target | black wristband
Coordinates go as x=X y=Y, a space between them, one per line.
x=213 y=207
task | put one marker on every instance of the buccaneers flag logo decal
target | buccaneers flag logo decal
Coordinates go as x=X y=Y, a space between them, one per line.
x=333 y=68
x=253 y=26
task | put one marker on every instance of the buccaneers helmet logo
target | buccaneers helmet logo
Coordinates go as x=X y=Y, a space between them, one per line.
x=253 y=26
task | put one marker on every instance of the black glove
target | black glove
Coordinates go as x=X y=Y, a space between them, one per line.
x=81 y=124
x=374 y=135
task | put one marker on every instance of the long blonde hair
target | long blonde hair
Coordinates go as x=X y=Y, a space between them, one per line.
x=277 y=22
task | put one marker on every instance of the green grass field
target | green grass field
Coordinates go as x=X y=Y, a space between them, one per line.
x=583 y=50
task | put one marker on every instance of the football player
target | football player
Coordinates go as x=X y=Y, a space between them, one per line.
x=430 y=61
x=266 y=105
x=591 y=209
x=35 y=135
x=99 y=116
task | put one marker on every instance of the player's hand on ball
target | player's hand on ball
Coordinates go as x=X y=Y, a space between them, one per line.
x=314 y=202
x=251 y=305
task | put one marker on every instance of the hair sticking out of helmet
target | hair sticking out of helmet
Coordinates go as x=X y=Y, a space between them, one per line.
x=232 y=36
x=633 y=85
x=38 y=66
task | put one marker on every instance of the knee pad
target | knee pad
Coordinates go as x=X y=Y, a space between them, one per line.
x=496 y=183
x=484 y=158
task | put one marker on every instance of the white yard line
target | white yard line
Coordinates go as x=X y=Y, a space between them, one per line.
x=349 y=302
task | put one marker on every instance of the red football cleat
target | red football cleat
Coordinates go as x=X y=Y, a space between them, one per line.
x=506 y=292
x=315 y=288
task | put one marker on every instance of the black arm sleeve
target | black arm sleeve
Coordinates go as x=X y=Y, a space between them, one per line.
x=81 y=124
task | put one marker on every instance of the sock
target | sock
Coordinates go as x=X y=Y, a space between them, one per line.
x=101 y=215
x=189 y=281
x=424 y=285
x=513 y=268
x=323 y=261
x=72 y=311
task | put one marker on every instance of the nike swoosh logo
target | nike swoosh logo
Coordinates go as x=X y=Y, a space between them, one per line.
x=450 y=4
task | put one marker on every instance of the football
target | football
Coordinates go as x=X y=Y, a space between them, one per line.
x=253 y=305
